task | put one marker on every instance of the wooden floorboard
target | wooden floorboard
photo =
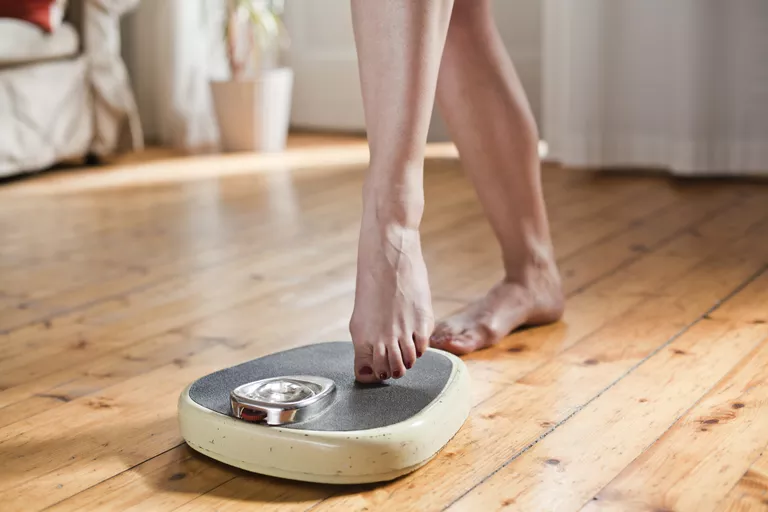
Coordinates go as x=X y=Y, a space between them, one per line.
x=616 y=427
x=751 y=491
x=119 y=286
x=520 y=413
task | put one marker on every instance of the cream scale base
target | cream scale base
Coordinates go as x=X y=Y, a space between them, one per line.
x=303 y=417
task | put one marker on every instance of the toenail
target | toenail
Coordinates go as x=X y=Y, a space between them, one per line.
x=383 y=376
x=366 y=370
x=418 y=353
x=408 y=365
x=396 y=374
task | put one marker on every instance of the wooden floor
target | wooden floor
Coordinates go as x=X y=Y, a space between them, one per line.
x=118 y=286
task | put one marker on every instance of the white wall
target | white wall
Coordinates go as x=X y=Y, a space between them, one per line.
x=326 y=91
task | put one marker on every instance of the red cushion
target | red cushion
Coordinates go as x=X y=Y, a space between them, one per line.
x=38 y=12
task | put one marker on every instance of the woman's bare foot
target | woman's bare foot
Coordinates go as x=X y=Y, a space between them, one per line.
x=510 y=304
x=392 y=318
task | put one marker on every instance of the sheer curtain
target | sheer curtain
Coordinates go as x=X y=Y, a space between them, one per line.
x=679 y=85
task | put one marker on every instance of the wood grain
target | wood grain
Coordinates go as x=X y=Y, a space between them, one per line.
x=704 y=449
x=118 y=286
x=751 y=491
x=545 y=399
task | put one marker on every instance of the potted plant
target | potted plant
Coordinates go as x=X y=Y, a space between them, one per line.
x=253 y=106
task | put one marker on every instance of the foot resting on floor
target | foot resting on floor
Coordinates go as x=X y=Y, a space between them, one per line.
x=507 y=306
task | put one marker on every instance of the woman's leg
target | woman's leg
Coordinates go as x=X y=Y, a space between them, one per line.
x=399 y=44
x=488 y=115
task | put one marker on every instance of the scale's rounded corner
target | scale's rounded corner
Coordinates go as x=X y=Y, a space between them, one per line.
x=334 y=457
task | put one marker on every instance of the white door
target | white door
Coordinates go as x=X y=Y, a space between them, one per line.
x=326 y=85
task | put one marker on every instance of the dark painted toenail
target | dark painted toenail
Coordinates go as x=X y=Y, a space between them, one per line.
x=409 y=365
x=396 y=374
x=366 y=370
x=383 y=376
x=418 y=353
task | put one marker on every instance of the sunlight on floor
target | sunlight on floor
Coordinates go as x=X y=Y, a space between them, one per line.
x=162 y=165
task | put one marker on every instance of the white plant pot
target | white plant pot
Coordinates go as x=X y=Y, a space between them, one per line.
x=254 y=115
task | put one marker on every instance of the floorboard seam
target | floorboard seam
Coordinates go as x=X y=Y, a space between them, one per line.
x=619 y=268
x=158 y=281
x=80 y=307
x=678 y=418
x=206 y=492
x=658 y=244
x=64 y=311
x=661 y=347
x=661 y=243
x=624 y=264
x=581 y=289
x=112 y=477
x=752 y=463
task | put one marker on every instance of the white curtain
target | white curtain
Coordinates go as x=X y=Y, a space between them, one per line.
x=680 y=85
x=172 y=50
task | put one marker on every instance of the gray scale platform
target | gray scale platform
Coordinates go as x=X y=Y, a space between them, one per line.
x=355 y=407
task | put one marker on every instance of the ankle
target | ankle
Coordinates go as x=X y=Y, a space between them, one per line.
x=530 y=263
x=388 y=204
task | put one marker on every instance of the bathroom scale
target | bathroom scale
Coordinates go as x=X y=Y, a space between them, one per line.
x=299 y=414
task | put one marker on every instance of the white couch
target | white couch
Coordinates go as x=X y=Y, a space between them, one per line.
x=65 y=95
